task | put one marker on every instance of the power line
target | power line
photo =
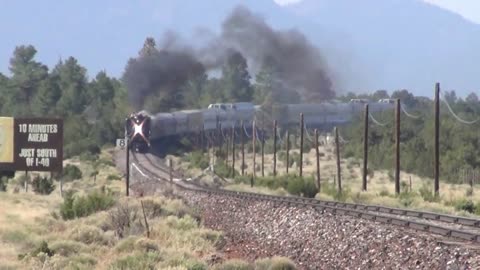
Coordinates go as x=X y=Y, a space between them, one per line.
x=455 y=115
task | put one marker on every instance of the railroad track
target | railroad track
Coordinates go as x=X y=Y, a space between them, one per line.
x=462 y=228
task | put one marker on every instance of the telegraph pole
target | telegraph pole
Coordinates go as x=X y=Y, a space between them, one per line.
x=275 y=148
x=365 y=150
x=243 y=148
x=254 y=138
x=127 y=182
x=287 y=144
x=397 y=147
x=233 y=151
x=436 y=173
x=339 y=172
x=263 y=150
x=302 y=125
x=318 y=160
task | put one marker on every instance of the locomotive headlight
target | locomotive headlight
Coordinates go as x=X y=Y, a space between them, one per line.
x=138 y=129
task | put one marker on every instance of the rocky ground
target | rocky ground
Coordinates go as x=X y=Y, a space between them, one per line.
x=325 y=241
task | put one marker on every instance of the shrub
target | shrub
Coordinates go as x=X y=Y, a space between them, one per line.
x=3 y=184
x=71 y=172
x=198 y=160
x=85 y=205
x=42 y=185
x=427 y=194
x=384 y=193
x=67 y=247
x=465 y=205
x=234 y=264
x=90 y=235
x=113 y=177
x=43 y=248
x=140 y=261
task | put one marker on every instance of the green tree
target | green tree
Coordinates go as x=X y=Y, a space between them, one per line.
x=236 y=79
x=27 y=76
x=73 y=84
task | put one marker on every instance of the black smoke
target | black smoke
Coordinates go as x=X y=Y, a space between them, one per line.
x=298 y=64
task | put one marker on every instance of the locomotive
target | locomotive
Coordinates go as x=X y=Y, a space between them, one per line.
x=138 y=131
x=228 y=115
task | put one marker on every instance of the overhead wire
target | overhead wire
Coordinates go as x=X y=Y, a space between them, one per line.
x=454 y=114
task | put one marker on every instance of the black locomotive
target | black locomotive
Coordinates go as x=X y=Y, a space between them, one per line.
x=138 y=127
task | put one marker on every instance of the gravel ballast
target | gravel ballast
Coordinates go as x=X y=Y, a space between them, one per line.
x=315 y=240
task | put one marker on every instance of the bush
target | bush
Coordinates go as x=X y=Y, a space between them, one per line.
x=198 y=160
x=140 y=261
x=427 y=194
x=3 y=184
x=234 y=264
x=465 y=205
x=42 y=185
x=296 y=185
x=85 y=205
x=113 y=177
x=71 y=172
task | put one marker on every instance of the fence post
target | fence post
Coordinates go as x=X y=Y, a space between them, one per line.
x=339 y=172
x=365 y=150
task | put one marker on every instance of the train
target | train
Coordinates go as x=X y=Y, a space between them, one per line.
x=228 y=115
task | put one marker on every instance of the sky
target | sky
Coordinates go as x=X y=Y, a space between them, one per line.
x=469 y=9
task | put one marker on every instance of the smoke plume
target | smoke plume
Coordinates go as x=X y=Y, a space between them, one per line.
x=298 y=64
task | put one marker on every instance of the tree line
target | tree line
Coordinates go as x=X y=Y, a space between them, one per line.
x=459 y=142
x=93 y=109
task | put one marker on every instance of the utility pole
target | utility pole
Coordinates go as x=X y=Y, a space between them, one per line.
x=397 y=147
x=243 y=148
x=339 y=172
x=318 y=160
x=233 y=151
x=365 y=150
x=302 y=125
x=436 y=173
x=254 y=138
x=263 y=149
x=127 y=182
x=275 y=148
x=287 y=135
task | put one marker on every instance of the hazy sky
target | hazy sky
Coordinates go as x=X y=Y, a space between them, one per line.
x=470 y=9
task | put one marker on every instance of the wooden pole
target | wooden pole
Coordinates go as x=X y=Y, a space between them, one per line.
x=243 y=148
x=254 y=138
x=127 y=182
x=26 y=181
x=365 y=150
x=318 y=160
x=397 y=147
x=275 y=148
x=302 y=125
x=287 y=135
x=339 y=172
x=170 y=165
x=263 y=151
x=233 y=151
x=436 y=172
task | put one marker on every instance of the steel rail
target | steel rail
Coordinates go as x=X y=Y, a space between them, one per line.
x=359 y=211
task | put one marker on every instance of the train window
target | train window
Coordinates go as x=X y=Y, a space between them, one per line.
x=223 y=107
